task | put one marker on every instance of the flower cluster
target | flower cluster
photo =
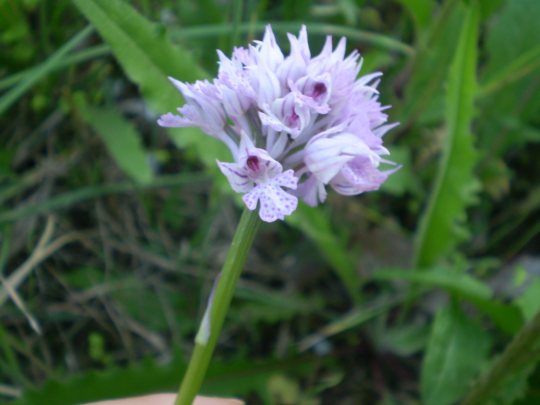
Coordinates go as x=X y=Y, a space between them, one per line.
x=294 y=124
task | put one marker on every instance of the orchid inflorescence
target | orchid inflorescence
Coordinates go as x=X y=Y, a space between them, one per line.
x=293 y=124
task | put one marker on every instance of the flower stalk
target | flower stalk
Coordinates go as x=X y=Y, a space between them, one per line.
x=522 y=352
x=217 y=308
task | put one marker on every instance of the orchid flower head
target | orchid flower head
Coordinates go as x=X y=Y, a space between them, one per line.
x=295 y=124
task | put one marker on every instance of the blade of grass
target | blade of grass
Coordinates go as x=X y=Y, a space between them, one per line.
x=43 y=70
x=515 y=70
x=65 y=61
x=83 y=194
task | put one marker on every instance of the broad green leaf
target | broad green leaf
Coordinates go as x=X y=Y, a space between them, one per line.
x=230 y=378
x=442 y=224
x=421 y=11
x=405 y=179
x=529 y=301
x=513 y=63
x=205 y=148
x=143 y=51
x=122 y=141
x=507 y=377
x=505 y=316
x=532 y=395
x=457 y=283
x=456 y=352
x=404 y=340
x=513 y=32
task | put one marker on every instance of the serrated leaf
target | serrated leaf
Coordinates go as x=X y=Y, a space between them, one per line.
x=231 y=378
x=122 y=141
x=442 y=224
x=456 y=352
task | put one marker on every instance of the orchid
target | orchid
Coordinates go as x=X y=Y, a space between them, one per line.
x=294 y=124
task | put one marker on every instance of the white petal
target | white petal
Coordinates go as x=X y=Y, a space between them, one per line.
x=237 y=176
x=275 y=203
x=170 y=120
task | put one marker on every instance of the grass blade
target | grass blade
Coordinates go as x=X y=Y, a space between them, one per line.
x=39 y=73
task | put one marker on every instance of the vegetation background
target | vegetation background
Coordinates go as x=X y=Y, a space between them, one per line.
x=112 y=229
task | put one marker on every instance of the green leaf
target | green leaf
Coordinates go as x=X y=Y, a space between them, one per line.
x=404 y=340
x=260 y=304
x=442 y=224
x=405 y=179
x=506 y=317
x=507 y=377
x=143 y=51
x=122 y=141
x=529 y=301
x=513 y=33
x=421 y=10
x=456 y=352
x=513 y=63
x=351 y=320
x=457 y=283
x=231 y=378
x=205 y=148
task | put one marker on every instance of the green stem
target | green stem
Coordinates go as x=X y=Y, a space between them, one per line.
x=522 y=352
x=219 y=305
x=372 y=38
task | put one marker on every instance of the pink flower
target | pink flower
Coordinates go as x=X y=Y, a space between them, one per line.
x=294 y=124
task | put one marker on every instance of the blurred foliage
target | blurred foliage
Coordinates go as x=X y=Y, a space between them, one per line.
x=112 y=229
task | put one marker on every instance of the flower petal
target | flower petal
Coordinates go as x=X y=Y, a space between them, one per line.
x=237 y=176
x=274 y=202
